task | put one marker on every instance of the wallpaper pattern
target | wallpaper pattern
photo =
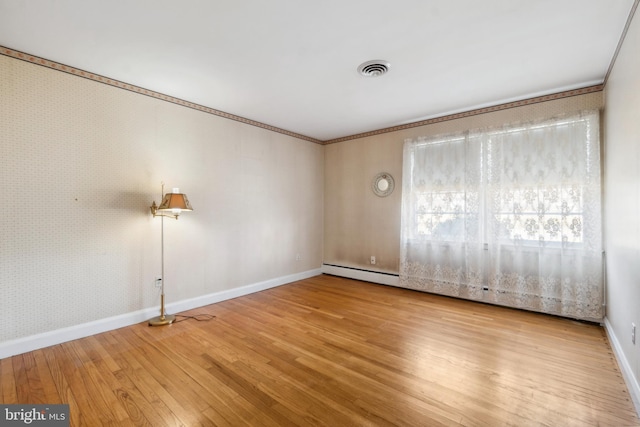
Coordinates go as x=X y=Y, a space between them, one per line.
x=80 y=164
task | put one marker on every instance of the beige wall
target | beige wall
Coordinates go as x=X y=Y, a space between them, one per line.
x=81 y=162
x=358 y=224
x=622 y=196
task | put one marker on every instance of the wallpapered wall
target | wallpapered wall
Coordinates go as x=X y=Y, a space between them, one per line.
x=359 y=224
x=80 y=164
x=622 y=197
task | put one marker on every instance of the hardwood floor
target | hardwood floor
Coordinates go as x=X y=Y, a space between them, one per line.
x=334 y=352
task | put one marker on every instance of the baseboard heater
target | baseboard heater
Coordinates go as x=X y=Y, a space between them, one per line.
x=382 y=278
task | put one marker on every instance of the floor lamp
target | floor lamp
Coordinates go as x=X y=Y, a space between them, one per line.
x=172 y=205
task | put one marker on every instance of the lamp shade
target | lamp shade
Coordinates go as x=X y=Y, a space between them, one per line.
x=175 y=201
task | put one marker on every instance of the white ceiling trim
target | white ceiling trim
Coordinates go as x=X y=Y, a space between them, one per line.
x=622 y=37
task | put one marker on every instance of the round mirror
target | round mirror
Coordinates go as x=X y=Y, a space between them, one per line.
x=383 y=184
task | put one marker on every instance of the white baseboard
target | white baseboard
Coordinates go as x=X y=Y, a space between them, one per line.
x=364 y=275
x=627 y=372
x=46 y=339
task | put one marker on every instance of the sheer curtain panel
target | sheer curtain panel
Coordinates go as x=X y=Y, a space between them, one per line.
x=442 y=243
x=510 y=216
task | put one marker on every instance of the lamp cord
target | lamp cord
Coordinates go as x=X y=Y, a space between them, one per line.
x=198 y=317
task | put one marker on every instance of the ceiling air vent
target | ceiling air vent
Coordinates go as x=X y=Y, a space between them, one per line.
x=374 y=68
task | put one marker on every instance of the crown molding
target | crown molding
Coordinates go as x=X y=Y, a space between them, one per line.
x=142 y=91
x=632 y=12
x=6 y=51
x=474 y=112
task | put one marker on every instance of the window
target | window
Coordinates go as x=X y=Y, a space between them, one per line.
x=515 y=211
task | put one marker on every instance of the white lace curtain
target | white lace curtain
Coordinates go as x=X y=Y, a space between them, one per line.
x=510 y=216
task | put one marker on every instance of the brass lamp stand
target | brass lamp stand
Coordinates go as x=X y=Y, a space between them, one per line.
x=175 y=202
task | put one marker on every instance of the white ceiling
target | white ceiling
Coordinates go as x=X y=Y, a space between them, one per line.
x=292 y=63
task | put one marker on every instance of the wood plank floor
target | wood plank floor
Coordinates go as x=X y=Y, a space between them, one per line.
x=334 y=352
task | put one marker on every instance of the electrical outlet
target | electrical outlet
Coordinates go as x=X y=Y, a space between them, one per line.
x=633 y=333
x=158 y=282
x=298 y=257
x=373 y=260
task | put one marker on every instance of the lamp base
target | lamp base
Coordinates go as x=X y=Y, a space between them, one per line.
x=161 y=321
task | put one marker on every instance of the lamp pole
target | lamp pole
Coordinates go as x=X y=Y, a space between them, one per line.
x=163 y=319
